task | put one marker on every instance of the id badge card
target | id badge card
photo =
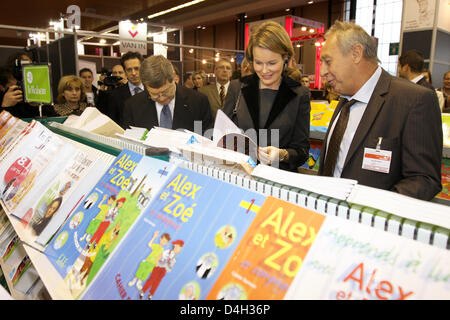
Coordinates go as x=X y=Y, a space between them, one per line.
x=377 y=160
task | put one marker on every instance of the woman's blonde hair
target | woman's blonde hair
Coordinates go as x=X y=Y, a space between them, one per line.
x=65 y=83
x=272 y=36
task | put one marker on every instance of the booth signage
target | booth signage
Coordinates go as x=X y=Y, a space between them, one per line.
x=133 y=37
x=37 y=86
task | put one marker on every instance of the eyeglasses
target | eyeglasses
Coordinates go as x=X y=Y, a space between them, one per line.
x=165 y=93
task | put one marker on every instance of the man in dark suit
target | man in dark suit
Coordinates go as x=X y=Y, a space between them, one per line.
x=164 y=103
x=410 y=66
x=131 y=62
x=391 y=136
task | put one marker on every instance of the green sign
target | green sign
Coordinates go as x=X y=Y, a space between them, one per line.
x=393 y=49
x=36 y=83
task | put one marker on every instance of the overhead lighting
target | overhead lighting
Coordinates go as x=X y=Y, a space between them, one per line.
x=287 y=9
x=304 y=28
x=317 y=44
x=191 y=50
x=181 y=6
x=310 y=2
x=218 y=54
x=204 y=61
x=102 y=41
x=311 y=30
x=298 y=45
x=217 y=59
x=232 y=59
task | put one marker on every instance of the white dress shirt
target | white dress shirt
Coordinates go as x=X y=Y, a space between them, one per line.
x=362 y=98
x=226 y=85
x=416 y=79
x=132 y=86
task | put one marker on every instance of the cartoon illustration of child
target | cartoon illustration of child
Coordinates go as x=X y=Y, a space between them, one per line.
x=106 y=241
x=95 y=223
x=110 y=217
x=164 y=265
x=225 y=237
x=206 y=265
x=147 y=265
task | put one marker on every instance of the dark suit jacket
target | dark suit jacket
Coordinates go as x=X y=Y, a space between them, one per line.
x=190 y=106
x=424 y=83
x=408 y=118
x=116 y=101
x=213 y=95
x=290 y=114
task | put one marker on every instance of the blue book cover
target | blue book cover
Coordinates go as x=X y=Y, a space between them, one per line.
x=177 y=248
x=101 y=220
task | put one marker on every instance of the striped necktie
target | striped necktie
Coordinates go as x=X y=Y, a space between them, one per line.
x=165 y=119
x=336 y=138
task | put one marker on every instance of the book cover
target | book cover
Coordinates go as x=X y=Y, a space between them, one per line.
x=270 y=253
x=445 y=180
x=98 y=224
x=39 y=162
x=4 y=116
x=12 y=135
x=314 y=154
x=7 y=126
x=179 y=245
x=80 y=191
x=353 y=261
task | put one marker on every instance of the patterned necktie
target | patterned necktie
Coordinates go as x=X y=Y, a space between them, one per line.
x=222 y=95
x=336 y=138
x=137 y=90
x=165 y=119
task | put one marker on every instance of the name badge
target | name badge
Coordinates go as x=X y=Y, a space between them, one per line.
x=377 y=160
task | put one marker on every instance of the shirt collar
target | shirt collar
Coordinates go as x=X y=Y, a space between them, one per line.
x=365 y=92
x=225 y=85
x=417 y=79
x=132 y=86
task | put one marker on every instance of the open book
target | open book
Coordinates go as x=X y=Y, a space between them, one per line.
x=92 y=120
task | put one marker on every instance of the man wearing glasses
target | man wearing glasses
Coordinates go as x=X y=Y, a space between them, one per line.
x=217 y=92
x=163 y=103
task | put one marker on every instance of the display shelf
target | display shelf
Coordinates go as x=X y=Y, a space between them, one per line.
x=49 y=276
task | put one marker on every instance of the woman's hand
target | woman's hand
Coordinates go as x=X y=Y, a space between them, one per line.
x=270 y=154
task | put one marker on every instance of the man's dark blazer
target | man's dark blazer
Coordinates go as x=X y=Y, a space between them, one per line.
x=424 y=83
x=290 y=114
x=213 y=95
x=116 y=101
x=408 y=118
x=190 y=106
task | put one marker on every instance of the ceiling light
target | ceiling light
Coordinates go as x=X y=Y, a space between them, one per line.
x=181 y=6
x=311 y=30
x=232 y=59
x=102 y=41
x=204 y=61
x=217 y=59
x=303 y=28
x=310 y=2
x=317 y=44
x=191 y=50
x=298 y=45
x=287 y=9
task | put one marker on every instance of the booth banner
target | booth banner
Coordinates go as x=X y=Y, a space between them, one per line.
x=133 y=37
x=36 y=84
x=418 y=14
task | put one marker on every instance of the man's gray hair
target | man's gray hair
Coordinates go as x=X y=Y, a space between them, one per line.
x=349 y=34
x=155 y=71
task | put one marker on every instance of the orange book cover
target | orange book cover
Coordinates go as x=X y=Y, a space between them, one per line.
x=270 y=254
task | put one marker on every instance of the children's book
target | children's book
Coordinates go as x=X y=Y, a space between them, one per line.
x=177 y=248
x=8 y=125
x=4 y=117
x=80 y=191
x=12 y=134
x=102 y=219
x=33 y=168
x=350 y=261
x=270 y=254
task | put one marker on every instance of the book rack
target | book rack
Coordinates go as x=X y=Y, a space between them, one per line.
x=109 y=147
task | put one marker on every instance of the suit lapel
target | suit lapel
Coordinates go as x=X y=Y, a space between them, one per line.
x=251 y=96
x=373 y=107
x=152 y=113
x=215 y=94
x=179 y=112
